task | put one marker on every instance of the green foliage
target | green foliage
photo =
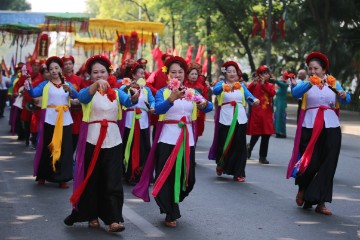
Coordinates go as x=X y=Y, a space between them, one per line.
x=15 y=5
x=330 y=26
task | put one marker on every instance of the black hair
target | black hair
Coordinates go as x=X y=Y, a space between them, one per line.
x=42 y=70
x=54 y=60
x=245 y=77
x=101 y=62
x=136 y=68
x=178 y=62
x=320 y=61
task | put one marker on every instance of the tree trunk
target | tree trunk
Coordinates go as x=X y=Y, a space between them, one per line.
x=244 y=41
x=208 y=50
x=356 y=94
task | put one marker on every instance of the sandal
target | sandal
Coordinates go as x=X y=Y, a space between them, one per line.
x=239 y=179
x=322 y=209
x=170 y=224
x=41 y=181
x=300 y=198
x=63 y=185
x=94 y=224
x=116 y=227
x=219 y=170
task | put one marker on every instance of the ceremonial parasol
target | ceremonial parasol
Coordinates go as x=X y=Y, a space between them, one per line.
x=20 y=34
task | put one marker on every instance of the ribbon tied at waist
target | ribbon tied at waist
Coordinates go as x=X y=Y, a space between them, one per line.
x=177 y=158
x=56 y=141
x=103 y=130
x=317 y=128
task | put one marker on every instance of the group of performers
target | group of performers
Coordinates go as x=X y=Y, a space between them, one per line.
x=106 y=123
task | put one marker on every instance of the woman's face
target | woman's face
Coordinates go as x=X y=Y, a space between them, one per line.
x=265 y=75
x=98 y=72
x=175 y=71
x=231 y=74
x=54 y=69
x=316 y=69
x=46 y=74
x=140 y=73
x=193 y=75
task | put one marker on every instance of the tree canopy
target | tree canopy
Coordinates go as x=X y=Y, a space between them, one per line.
x=15 y=5
x=329 y=26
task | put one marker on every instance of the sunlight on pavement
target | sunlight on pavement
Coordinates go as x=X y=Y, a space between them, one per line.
x=307 y=222
x=346 y=198
x=28 y=177
x=28 y=217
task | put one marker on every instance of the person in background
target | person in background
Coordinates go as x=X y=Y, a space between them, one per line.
x=16 y=104
x=261 y=120
x=75 y=109
x=157 y=80
x=26 y=113
x=98 y=190
x=53 y=158
x=280 y=103
x=317 y=141
x=136 y=123
x=4 y=83
x=192 y=81
x=301 y=76
x=143 y=62
x=173 y=153
x=229 y=142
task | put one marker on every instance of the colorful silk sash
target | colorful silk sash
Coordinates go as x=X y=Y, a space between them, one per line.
x=176 y=158
x=103 y=130
x=56 y=141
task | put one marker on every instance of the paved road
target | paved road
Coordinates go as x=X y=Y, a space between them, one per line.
x=218 y=208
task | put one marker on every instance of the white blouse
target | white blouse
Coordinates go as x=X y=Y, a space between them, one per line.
x=144 y=120
x=317 y=97
x=227 y=110
x=171 y=132
x=57 y=97
x=103 y=108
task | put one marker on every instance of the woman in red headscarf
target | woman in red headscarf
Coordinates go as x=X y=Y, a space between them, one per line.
x=261 y=120
x=318 y=135
x=173 y=153
x=98 y=191
x=229 y=143
x=53 y=158
x=136 y=124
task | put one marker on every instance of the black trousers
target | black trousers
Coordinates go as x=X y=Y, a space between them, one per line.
x=317 y=180
x=264 y=144
x=3 y=98
x=165 y=197
x=103 y=196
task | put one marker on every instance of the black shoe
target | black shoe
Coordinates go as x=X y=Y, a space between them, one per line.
x=278 y=135
x=263 y=160
x=248 y=151
x=69 y=220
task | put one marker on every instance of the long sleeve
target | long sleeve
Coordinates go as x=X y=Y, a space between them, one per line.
x=151 y=99
x=248 y=94
x=217 y=89
x=38 y=90
x=348 y=97
x=84 y=95
x=269 y=88
x=161 y=105
x=300 y=89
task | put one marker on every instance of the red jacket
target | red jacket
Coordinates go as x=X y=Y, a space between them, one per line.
x=156 y=81
x=261 y=119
